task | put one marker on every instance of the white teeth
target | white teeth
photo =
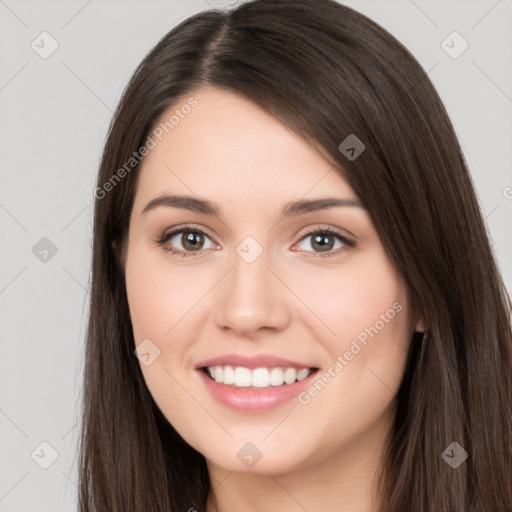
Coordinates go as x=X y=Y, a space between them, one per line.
x=302 y=374
x=276 y=377
x=258 y=377
x=229 y=375
x=242 y=376
x=290 y=375
x=219 y=373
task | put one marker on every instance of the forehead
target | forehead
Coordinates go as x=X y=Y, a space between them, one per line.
x=229 y=147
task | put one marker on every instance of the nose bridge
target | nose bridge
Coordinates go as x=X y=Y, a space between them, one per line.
x=251 y=297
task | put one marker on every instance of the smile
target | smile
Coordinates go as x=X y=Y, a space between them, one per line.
x=257 y=378
x=255 y=390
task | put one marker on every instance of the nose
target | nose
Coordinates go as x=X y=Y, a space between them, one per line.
x=252 y=299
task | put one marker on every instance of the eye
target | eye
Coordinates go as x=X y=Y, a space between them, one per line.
x=185 y=241
x=190 y=241
x=323 y=242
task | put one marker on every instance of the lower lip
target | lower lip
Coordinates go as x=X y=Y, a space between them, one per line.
x=254 y=400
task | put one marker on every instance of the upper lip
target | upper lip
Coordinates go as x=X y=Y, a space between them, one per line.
x=255 y=361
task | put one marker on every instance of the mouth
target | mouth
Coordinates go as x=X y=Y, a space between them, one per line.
x=240 y=377
x=255 y=390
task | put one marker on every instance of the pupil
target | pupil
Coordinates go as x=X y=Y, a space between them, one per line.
x=192 y=241
x=323 y=242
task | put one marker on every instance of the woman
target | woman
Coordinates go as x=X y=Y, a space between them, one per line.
x=294 y=302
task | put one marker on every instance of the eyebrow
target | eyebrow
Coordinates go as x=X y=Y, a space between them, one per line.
x=293 y=208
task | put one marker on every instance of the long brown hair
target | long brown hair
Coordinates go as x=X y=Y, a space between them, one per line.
x=326 y=71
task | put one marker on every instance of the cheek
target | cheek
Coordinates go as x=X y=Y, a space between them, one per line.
x=159 y=296
x=368 y=334
x=163 y=300
x=353 y=299
x=158 y=300
x=147 y=303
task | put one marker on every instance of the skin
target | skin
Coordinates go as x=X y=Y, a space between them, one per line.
x=290 y=301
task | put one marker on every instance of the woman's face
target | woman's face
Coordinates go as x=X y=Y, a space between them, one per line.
x=253 y=289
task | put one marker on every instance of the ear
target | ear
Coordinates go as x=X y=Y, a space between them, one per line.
x=420 y=325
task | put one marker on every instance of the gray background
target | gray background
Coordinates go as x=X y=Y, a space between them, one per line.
x=54 y=117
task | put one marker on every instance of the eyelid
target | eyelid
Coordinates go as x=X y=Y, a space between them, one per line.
x=348 y=243
x=325 y=228
x=171 y=232
x=190 y=227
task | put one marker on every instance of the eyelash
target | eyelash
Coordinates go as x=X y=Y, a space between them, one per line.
x=349 y=244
